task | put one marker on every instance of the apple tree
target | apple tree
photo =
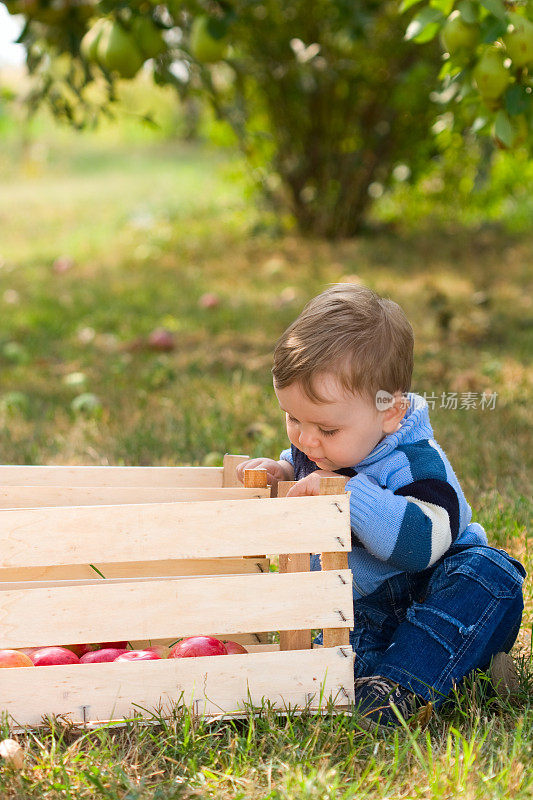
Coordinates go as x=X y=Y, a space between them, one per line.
x=325 y=98
x=487 y=71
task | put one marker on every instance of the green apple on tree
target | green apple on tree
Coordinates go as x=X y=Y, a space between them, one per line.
x=458 y=35
x=519 y=41
x=148 y=38
x=117 y=51
x=89 y=43
x=490 y=74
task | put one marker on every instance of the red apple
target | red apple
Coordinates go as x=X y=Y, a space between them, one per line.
x=198 y=646
x=28 y=651
x=137 y=655
x=159 y=649
x=100 y=656
x=79 y=649
x=233 y=648
x=14 y=658
x=52 y=656
x=116 y=645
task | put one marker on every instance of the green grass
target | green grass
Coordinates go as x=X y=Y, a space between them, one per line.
x=150 y=225
x=471 y=751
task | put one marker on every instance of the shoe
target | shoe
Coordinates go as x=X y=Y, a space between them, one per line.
x=504 y=676
x=374 y=700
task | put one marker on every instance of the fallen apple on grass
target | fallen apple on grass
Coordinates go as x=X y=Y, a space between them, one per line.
x=138 y=655
x=195 y=646
x=106 y=654
x=161 y=339
x=209 y=300
x=14 y=658
x=54 y=656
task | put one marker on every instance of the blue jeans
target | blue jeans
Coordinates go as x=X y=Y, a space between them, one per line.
x=429 y=629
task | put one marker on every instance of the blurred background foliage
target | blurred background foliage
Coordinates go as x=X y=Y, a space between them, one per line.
x=148 y=264
x=331 y=103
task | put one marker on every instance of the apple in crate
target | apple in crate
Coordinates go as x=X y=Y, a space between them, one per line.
x=233 y=648
x=79 y=649
x=138 y=655
x=198 y=646
x=160 y=649
x=116 y=645
x=53 y=656
x=14 y=658
x=28 y=651
x=102 y=655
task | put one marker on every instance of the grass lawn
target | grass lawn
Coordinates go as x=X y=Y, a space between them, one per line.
x=141 y=233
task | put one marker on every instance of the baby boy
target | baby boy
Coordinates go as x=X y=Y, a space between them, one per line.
x=432 y=600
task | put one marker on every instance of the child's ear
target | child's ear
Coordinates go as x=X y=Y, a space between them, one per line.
x=393 y=415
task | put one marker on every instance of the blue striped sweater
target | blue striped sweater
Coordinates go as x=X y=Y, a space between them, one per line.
x=406 y=504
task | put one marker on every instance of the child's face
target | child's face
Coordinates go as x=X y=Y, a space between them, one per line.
x=338 y=433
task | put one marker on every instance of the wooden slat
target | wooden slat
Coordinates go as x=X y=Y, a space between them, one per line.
x=229 y=470
x=109 y=476
x=42 y=496
x=91 y=534
x=185 y=607
x=138 y=569
x=19 y=585
x=295 y=639
x=293 y=562
x=262 y=648
x=222 y=684
x=255 y=478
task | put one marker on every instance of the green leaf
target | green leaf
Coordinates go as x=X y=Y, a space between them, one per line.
x=217 y=28
x=517 y=100
x=445 y=70
x=468 y=11
x=495 y=7
x=97 y=570
x=427 y=17
x=445 y=6
x=428 y=33
x=492 y=29
x=503 y=128
x=406 y=4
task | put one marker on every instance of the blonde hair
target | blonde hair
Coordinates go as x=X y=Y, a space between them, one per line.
x=348 y=330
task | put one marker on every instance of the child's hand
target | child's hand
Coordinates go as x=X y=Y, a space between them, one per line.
x=311 y=484
x=276 y=470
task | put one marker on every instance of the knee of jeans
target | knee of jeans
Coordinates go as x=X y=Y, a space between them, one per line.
x=512 y=636
x=490 y=568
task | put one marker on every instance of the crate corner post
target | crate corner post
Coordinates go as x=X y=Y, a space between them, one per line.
x=229 y=470
x=334 y=561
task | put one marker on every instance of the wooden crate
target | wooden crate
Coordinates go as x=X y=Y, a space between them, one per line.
x=173 y=568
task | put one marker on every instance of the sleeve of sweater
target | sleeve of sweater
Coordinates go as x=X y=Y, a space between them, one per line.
x=409 y=529
x=286 y=455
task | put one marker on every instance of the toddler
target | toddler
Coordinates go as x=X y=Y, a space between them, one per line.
x=432 y=600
